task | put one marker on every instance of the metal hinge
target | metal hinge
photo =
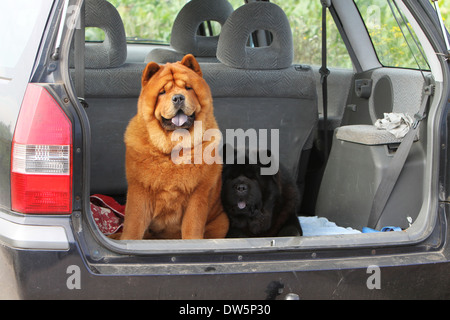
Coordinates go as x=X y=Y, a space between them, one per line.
x=445 y=55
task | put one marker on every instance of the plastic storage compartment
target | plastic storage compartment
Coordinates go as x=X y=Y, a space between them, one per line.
x=352 y=176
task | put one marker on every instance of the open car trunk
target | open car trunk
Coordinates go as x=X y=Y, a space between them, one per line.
x=338 y=183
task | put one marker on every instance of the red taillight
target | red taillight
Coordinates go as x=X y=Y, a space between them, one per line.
x=41 y=157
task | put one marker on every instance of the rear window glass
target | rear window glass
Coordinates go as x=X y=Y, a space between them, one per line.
x=305 y=18
x=394 y=40
x=149 y=21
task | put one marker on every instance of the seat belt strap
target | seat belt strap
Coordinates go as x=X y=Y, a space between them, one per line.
x=79 y=55
x=324 y=73
x=397 y=163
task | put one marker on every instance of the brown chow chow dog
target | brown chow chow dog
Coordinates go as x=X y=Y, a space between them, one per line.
x=166 y=200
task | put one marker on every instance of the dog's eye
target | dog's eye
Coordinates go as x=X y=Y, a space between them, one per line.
x=188 y=87
x=162 y=92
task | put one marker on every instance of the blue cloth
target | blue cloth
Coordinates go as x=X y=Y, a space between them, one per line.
x=319 y=226
x=385 y=229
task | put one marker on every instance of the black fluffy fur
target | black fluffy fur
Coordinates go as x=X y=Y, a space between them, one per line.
x=259 y=205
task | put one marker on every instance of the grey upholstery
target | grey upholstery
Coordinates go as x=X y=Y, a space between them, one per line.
x=112 y=52
x=265 y=91
x=232 y=49
x=280 y=98
x=184 y=37
x=111 y=89
x=294 y=82
x=162 y=56
x=365 y=134
x=406 y=98
x=120 y=82
x=352 y=176
x=360 y=156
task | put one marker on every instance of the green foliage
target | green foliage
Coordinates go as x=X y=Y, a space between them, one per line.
x=305 y=18
x=388 y=38
x=151 y=21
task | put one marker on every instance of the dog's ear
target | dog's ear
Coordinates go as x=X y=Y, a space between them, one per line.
x=190 y=62
x=150 y=70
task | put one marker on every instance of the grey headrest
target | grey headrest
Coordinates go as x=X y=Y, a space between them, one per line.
x=184 y=36
x=232 y=49
x=112 y=52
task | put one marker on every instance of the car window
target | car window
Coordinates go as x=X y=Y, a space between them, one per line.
x=151 y=22
x=388 y=38
x=305 y=18
x=148 y=20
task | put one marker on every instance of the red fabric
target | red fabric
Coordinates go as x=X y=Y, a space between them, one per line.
x=108 y=213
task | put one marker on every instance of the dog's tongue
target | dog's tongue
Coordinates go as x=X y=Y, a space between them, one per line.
x=241 y=204
x=179 y=119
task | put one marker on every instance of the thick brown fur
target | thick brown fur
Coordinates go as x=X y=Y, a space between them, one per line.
x=166 y=200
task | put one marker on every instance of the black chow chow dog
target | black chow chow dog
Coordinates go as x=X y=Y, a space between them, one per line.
x=259 y=205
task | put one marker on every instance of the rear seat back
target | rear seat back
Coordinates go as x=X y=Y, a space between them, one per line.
x=112 y=52
x=259 y=88
x=112 y=88
x=264 y=92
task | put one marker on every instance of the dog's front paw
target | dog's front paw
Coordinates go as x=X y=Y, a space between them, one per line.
x=260 y=223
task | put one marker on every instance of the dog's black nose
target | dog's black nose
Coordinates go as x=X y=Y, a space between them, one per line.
x=241 y=188
x=178 y=99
